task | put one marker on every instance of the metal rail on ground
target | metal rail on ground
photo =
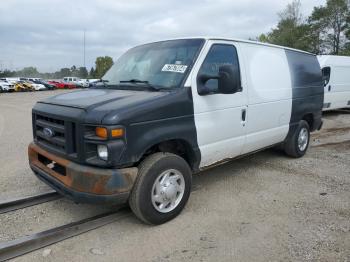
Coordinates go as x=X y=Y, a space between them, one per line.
x=26 y=244
x=19 y=203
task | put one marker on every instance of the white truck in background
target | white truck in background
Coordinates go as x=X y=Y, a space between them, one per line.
x=336 y=76
x=76 y=81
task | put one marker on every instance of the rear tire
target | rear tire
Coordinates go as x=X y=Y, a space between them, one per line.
x=298 y=143
x=162 y=188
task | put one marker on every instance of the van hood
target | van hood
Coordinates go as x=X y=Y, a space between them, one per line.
x=112 y=106
x=92 y=99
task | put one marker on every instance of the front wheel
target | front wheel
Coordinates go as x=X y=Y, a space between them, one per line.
x=162 y=188
x=298 y=142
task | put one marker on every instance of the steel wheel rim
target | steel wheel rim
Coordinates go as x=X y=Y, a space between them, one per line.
x=303 y=139
x=168 y=190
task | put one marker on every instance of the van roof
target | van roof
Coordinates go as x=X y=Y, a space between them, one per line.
x=239 y=40
x=333 y=60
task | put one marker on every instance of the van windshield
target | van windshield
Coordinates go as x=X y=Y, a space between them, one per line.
x=160 y=65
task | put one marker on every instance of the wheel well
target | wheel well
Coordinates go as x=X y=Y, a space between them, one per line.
x=309 y=118
x=176 y=146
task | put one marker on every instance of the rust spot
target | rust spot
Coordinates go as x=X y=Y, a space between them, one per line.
x=87 y=179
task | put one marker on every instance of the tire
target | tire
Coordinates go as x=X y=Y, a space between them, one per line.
x=296 y=146
x=144 y=195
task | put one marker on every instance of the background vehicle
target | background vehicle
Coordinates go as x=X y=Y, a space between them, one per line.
x=92 y=81
x=76 y=81
x=21 y=86
x=336 y=75
x=169 y=109
x=62 y=85
x=46 y=84
x=5 y=86
x=36 y=86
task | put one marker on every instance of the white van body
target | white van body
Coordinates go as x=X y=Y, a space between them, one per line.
x=336 y=73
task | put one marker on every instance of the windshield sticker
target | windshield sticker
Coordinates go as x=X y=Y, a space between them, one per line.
x=174 y=68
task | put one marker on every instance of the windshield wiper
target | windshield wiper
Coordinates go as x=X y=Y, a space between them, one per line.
x=134 y=81
x=147 y=84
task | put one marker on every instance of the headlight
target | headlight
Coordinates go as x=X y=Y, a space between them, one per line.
x=102 y=152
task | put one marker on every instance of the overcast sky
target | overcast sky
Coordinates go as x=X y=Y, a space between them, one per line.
x=48 y=34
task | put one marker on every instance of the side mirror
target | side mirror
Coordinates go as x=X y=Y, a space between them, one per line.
x=201 y=80
x=229 y=80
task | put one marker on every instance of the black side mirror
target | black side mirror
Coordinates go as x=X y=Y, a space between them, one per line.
x=229 y=80
x=201 y=80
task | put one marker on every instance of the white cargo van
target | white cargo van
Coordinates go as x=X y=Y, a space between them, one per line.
x=336 y=77
x=168 y=109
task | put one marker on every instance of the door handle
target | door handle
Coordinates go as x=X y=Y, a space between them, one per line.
x=244 y=114
x=329 y=88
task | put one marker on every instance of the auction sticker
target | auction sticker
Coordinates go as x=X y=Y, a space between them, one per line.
x=174 y=68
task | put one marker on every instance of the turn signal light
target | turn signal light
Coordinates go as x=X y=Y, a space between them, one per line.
x=101 y=132
x=119 y=132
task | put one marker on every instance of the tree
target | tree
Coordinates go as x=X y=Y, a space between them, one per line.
x=263 y=38
x=28 y=72
x=82 y=72
x=292 y=13
x=62 y=73
x=102 y=65
x=92 y=73
x=7 y=73
x=332 y=24
x=291 y=30
x=318 y=29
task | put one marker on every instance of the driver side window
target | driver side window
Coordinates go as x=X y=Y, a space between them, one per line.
x=218 y=55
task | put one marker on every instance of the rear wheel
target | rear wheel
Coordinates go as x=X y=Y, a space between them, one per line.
x=298 y=143
x=162 y=188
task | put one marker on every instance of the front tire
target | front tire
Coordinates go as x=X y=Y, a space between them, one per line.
x=298 y=143
x=162 y=188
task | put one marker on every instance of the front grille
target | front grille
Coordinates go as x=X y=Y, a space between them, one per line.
x=55 y=134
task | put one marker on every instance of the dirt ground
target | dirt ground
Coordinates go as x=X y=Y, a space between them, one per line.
x=264 y=207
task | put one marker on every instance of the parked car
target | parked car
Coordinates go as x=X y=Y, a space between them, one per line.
x=336 y=76
x=22 y=86
x=5 y=86
x=170 y=109
x=37 y=86
x=46 y=84
x=93 y=81
x=62 y=85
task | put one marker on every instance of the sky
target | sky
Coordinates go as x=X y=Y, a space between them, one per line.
x=49 y=34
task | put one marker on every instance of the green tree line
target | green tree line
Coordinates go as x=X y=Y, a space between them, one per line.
x=102 y=64
x=325 y=31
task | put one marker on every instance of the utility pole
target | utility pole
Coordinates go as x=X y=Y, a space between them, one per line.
x=84 y=48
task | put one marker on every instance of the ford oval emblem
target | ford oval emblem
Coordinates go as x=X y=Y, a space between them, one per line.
x=48 y=132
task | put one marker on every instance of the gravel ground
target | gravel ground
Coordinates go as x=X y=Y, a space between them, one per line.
x=264 y=207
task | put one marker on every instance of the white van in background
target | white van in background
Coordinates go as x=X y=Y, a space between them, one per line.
x=336 y=75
